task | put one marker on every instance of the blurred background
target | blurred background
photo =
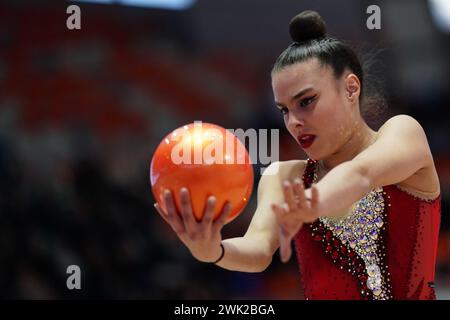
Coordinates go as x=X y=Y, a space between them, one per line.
x=82 y=111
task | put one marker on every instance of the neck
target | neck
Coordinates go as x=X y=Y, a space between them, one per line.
x=361 y=137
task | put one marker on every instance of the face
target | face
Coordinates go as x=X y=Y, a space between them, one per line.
x=320 y=111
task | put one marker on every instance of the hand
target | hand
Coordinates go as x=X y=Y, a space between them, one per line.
x=202 y=238
x=296 y=209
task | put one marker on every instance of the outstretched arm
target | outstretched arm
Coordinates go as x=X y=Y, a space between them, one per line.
x=253 y=252
x=250 y=253
x=400 y=151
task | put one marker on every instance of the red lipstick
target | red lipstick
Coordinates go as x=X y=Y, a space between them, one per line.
x=306 y=140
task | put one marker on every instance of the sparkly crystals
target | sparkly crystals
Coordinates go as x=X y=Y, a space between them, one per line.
x=362 y=239
x=373 y=270
x=374 y=235
x=360 y=230
x=338 y=230
x=374 y=282
x=379 y=222
x=371 y=257
x=348 y=232
x=355 y=243
x=377 y=291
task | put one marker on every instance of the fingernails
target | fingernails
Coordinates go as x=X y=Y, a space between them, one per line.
x=184 y=189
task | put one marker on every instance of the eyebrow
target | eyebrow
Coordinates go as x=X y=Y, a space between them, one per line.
x=296 y=96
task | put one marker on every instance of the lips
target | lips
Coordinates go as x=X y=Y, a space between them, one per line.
x=306 y=140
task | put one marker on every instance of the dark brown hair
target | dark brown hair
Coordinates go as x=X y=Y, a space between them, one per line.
x=308 y=31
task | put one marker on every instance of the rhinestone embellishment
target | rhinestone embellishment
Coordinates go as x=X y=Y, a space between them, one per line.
x=345 y=240
x=360 y=231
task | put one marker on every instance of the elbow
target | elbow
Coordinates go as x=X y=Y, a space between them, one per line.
x=266 y=261
x=260 y=250
x=256 y=266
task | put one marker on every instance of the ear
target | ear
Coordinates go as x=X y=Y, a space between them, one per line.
x=352 y=87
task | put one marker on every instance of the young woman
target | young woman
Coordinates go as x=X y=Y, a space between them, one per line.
x=363 y=210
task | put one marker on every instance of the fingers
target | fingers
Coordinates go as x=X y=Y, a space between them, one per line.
x=289 y=195
x=161 y=213
x=285 y=220
x=285 y=246
x=288 y=229
x=298 y=188
x=186 y=222
x=300 y=193
x=169 y=203
x=279 y=211
x=189 y=221
x=208 y=215
x=219 y=223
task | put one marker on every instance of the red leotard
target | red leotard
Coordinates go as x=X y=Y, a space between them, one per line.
x=385 y=249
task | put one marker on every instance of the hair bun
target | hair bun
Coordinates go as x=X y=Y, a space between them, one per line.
x=307 y=25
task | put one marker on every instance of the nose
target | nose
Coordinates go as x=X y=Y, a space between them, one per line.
x=295 y=121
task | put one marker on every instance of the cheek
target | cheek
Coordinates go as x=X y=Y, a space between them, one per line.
x=333 y=123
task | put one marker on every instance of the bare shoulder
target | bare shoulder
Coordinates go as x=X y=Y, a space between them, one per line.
x=404 y=123
x=405 y=132
x=425 y=182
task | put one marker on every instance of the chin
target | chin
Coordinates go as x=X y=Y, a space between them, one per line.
x=315 y=155
x=312 y=155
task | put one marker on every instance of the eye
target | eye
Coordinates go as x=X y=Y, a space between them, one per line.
x=306 y=101
x=283 y=110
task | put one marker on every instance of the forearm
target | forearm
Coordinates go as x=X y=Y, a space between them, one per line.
x=245 y=254
x=341 y=188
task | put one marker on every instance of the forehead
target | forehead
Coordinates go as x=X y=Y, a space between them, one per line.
x=294 y=78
